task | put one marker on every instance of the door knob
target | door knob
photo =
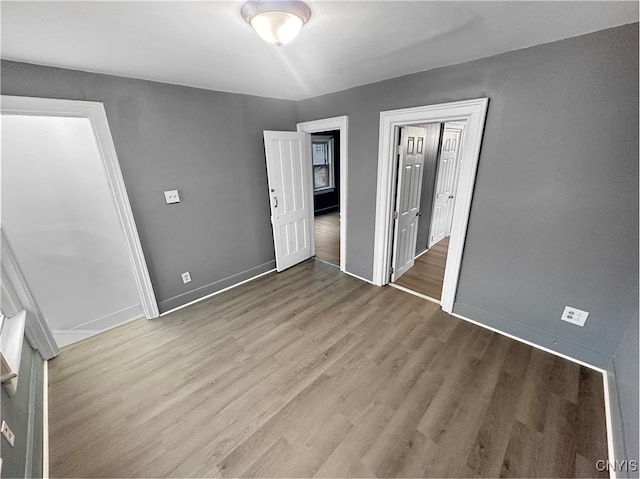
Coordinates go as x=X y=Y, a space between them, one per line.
x=418 y=214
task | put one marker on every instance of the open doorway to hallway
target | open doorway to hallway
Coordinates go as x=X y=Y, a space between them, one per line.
x=325 y=157
x=428 y=171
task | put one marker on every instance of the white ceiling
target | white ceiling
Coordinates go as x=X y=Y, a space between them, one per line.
x=344 y=44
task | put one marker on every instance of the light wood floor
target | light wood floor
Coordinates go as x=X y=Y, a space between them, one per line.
x=427 y=274
x=327 y=228
x=311 y=372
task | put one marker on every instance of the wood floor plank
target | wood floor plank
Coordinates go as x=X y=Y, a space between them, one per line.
x=427 y=274
x=522 y=455
x=313 y=373
x=327 y=231
x=493 y=438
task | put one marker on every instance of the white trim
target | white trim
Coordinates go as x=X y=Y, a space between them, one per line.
x=555 y=353
x=327 y=263
x=62 y=335
x=37 y=329
x=474 y=113
x=415 y=293
x=111 y=320
x=95 y=112
x=609 y=424
x=340 y=123
x=359 y=277
x=45 y=421
x=217 y=292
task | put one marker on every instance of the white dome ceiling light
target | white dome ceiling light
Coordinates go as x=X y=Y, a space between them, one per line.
x=277 y=21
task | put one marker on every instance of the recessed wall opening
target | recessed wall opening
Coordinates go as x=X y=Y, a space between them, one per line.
x=325 y=157
x=397 y=128
x=428 y=170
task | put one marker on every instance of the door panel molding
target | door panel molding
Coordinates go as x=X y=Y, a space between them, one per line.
x=474 y=112
x=288 y=157
x=408 y=195
x=95 y=112
x=447 y=175
x=340 y=123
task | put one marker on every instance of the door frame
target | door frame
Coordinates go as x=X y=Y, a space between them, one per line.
x=19 y=296
x=474 y=112
x=340 y=123
x=96 y=114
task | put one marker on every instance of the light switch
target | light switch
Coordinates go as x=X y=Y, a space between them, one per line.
x=172 y=196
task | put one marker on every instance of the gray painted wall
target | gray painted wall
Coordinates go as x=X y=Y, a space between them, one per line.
x=431 y=155
x=554 y=219
x=206 y=144
x=23 y=413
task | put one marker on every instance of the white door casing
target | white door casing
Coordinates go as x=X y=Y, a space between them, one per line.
x=473 y=112
x=408 y=194
x=340 y=123
x=448 y=172
x=288 y=156
x=95 y=112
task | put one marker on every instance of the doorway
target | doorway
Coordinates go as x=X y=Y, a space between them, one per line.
x=330 y=204
x=325 y=157
x=473 y=112
x=437 y=156
x=290 y=184
x=69 y=222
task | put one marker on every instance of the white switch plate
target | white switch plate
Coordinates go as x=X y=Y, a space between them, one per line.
x=574 y=315
x=186 y=277
x=8 y=433
x=172 y=196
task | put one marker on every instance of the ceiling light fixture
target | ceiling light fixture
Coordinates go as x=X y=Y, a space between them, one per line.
x=277 y=21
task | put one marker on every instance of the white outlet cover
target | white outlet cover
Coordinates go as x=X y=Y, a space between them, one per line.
x=172 y=196
x=186 y=277
x=8 y=433
x=574 y=315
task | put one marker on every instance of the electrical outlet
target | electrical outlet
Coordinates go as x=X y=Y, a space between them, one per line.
x=574 y=315
x=186 y=277
x=8 y=433
x=172 y=196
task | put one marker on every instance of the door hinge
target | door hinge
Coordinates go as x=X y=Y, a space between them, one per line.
x=395 y=215
x=391 y=270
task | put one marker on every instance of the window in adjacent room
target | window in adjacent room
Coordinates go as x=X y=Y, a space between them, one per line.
x=322 y=153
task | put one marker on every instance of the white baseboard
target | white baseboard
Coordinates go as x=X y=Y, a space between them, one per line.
x=218 y=292
x=609 y=423
x=325 y=262
x=415 y=293
x=45 y=421
x=607 y=396
x=110 y=320
x=65 y=337
x=421 y=253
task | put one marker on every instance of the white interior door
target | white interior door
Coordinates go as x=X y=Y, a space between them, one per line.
x=288 y=156
x=409 y=190
x=448 y=173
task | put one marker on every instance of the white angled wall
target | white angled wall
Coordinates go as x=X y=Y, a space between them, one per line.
x=60 y=220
